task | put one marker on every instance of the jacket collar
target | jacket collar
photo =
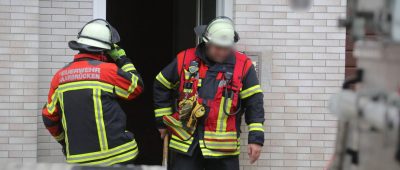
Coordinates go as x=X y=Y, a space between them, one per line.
x=85 y=56
x=201 y=53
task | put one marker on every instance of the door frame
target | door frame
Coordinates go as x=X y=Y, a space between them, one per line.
x=99 y=9
x=224 y=8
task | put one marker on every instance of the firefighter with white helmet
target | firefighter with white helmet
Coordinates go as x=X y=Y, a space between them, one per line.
x=82 y=111
x=200 y=98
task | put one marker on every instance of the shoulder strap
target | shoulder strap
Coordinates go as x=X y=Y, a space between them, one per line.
x=184 y=58
x=242 y=66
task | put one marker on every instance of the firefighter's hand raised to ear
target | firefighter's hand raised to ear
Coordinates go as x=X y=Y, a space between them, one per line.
x=254 y=152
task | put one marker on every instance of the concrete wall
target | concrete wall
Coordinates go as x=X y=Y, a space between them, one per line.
x=303 y=63
x=303 y=66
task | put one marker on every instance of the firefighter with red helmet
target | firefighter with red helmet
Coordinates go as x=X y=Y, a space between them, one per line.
x=200 y=98
x=82 y=111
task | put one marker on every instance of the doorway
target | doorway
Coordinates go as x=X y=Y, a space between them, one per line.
x=152 y=33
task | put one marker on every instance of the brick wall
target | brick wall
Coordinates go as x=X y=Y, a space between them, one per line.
x=18 y=79
x=303 y=64
x=60 y=21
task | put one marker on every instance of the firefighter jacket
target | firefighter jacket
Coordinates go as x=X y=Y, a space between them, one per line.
x=218 y=132
x=82 y=112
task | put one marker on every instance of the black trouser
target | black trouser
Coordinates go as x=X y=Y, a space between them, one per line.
x=180 y=161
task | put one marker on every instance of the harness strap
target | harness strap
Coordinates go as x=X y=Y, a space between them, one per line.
x=183 y=62
x=242 y=66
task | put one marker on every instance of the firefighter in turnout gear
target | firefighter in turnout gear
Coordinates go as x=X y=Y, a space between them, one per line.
x=200 y=98
x=82 y=112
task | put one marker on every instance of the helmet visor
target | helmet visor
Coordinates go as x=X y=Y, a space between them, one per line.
x=115 y=38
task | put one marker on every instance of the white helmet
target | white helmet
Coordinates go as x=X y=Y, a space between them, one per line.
x=220 y=32
x=97 y=33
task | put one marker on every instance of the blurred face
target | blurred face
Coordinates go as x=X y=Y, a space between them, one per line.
x=218 y=54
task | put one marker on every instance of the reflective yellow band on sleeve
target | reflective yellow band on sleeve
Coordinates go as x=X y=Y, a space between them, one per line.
x=121 y=92
x=128 y=67
x=163 y=111
x=125 y=93
x=164 y=81
x=180 y=145
x=250 y=91
x=60 y=137
x=51 y=107
x=133 y=85
x=256 y=127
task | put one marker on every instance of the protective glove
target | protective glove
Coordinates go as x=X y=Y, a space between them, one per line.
x=116 y=52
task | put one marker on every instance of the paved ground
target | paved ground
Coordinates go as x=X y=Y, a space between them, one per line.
x=45 y=166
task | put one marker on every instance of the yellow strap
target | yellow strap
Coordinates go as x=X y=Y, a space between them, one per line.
x=250 y=91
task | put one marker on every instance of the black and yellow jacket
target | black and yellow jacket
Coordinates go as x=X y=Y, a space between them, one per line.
x=82 y=112
x=217 y=134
